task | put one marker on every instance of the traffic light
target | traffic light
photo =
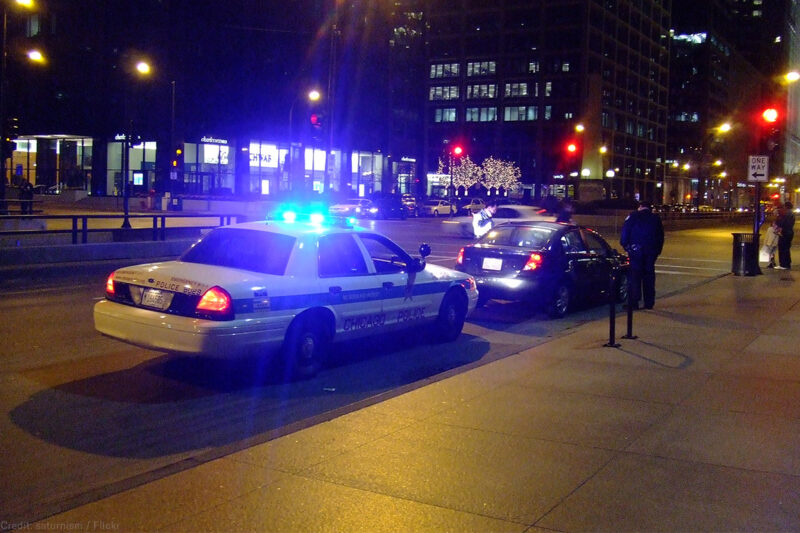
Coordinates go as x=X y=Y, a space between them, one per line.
x=572 y=148
x=8 y=147
x=457 y=151
x=771 y=119
x=177 y=159
x=316 y=120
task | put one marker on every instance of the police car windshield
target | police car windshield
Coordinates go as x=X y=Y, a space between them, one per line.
x=257 y=251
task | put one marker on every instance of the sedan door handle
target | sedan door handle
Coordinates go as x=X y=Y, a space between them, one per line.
x=388 y=284
x=335 y=289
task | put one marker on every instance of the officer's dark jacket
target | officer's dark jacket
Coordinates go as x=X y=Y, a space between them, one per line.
x=643 y=231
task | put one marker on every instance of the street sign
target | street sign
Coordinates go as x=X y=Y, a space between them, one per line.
x=757 y=168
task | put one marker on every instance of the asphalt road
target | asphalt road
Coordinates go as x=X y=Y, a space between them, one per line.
x=87 y=416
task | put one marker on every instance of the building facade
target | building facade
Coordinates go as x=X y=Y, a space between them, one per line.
x=574 y=92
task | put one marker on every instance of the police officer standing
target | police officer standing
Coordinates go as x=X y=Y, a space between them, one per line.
x=643 y=238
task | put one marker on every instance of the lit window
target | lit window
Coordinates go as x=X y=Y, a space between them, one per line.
x=481 y=114
x=482 y=91
x=516 y=89
x=533 y=67
x=481 y=68
x=446 y=92
x=444 y=70
x=520 y=113
x=445 y=114
x=548 y=88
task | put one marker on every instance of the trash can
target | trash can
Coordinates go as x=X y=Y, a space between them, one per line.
x=176 y=204
x=745 y=255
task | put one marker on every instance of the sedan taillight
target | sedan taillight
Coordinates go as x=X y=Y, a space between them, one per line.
x=215 y=304
x=534 y=262
x=460 y=257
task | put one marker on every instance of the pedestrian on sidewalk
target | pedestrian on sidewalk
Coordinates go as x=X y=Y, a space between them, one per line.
x=643 y=238
x=785 y=223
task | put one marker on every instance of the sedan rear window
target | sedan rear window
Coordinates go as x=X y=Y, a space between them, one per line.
x=520 y=236
x=257 y=251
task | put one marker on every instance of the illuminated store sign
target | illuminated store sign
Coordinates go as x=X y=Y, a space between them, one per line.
x=213 y=140
x=264 y=155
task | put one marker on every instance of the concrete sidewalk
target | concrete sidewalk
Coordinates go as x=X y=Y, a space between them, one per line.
x=693 y=426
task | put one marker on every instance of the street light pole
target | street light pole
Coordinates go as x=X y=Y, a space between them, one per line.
x=3 y=208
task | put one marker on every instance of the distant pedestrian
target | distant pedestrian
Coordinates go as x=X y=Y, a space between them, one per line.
x=482 y=220
x=785 y=223
x=26 y=197
x=643 y=238
x=565 y=211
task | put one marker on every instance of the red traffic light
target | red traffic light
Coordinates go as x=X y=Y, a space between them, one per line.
x=458 y=150
x=770 y=115
x=316 y=120
x=572 y=147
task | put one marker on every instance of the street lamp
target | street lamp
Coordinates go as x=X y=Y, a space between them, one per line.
x=3 y=79
x=312 y=96
x=142 y=68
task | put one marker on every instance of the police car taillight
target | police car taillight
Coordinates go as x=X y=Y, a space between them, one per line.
x=534 y=262
x=215 y=304
x=110 y=284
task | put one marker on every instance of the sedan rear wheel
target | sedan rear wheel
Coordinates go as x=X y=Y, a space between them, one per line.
x=435 y=213
x=622 y=288
x=561 y=300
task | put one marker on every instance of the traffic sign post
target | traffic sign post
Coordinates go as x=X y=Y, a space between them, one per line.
x=757 y=172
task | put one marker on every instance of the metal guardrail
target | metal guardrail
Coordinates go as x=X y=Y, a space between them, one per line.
x=80 y=224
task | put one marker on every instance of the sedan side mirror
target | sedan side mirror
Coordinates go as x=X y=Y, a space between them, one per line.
x=424 y=250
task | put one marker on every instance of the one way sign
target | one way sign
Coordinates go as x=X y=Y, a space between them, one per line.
x=758 y=167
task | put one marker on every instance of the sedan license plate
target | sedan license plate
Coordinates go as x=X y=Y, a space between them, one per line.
x=492 y=263
x=157 y=298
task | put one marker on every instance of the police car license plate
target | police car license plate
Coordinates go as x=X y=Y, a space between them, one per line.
x=156 y=298
x=492 y=263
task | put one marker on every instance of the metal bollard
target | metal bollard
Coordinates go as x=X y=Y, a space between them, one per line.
x=612 y=310
x=629 y=334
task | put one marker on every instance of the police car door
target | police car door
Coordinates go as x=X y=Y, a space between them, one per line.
x=354 y=292
x=405 y=299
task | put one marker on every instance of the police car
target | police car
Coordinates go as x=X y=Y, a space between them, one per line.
x=287 y=287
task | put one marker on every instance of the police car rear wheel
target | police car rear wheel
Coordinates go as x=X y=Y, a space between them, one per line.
x=452 y=314
x=305 y=347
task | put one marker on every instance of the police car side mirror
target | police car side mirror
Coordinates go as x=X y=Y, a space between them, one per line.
x=424 y=250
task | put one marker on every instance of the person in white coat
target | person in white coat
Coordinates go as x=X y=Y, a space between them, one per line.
x=482 y=220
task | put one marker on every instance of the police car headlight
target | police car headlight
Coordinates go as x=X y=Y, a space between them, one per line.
x=373 y=210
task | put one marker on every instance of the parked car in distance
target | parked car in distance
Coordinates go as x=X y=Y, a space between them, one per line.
x=435 y=208
x=356 y=207
x=471 y=206
x=387 y=207
x=410 y=202
x=549 y=264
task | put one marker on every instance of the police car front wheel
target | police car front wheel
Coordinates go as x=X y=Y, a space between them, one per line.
x=452 y=314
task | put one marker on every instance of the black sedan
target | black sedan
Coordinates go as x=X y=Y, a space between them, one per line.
x=388 y=207
x=549 y=264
